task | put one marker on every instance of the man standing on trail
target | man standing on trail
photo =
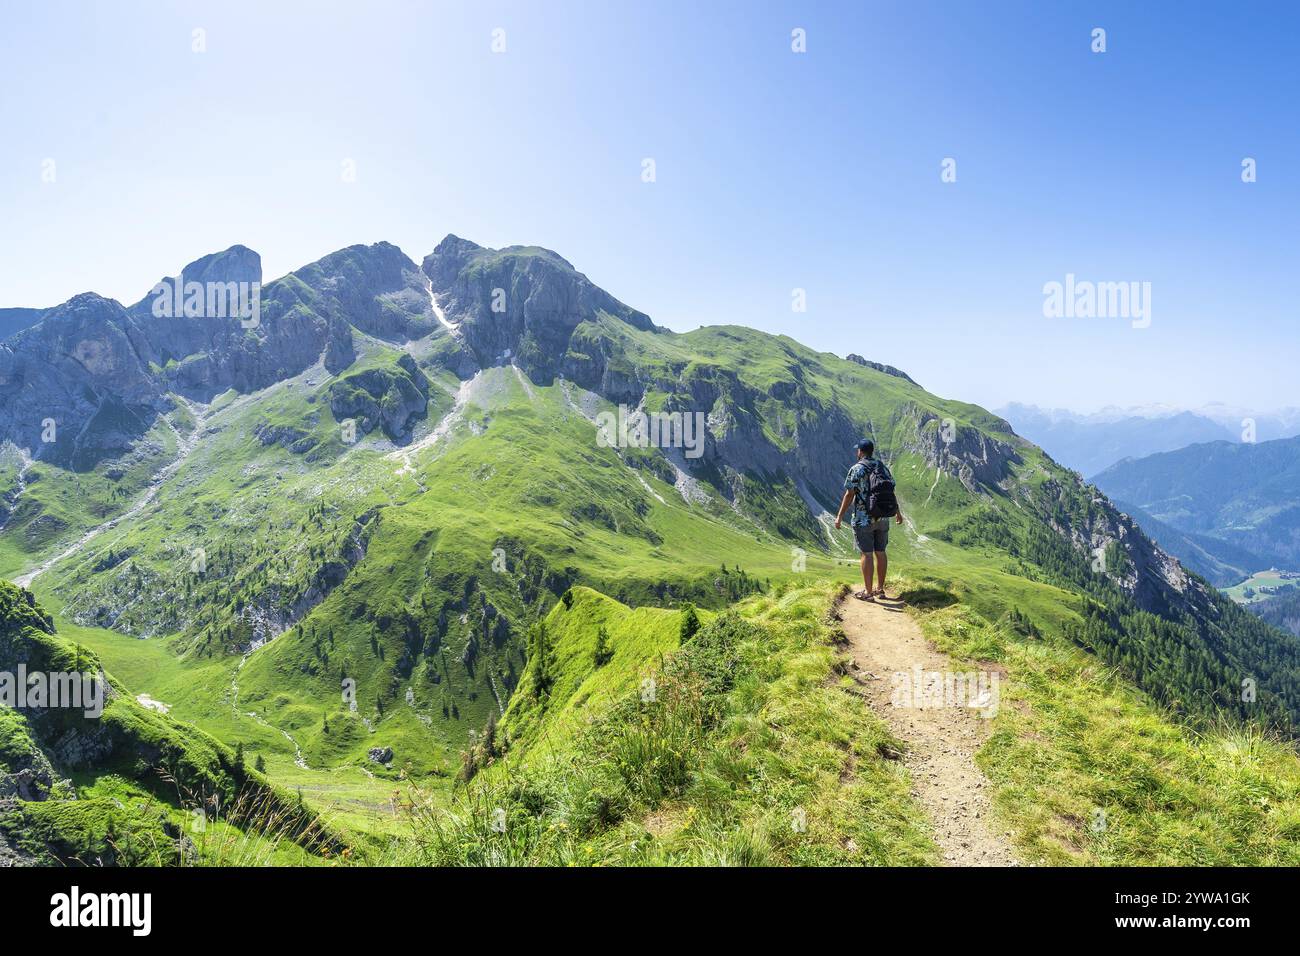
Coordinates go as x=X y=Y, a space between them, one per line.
x=869 y=487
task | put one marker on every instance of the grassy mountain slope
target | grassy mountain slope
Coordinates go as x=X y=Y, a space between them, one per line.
x=583 y=673
x=755 y=749
x=45 y=507
x=125 y=787
x=748 y=753
x=1086 y=768
x=1218 y=561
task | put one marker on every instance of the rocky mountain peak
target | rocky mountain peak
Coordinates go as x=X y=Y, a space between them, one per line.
x=236 y=264
x=454 y=247
x=520 y=304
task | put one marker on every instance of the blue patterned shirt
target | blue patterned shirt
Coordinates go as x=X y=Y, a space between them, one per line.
x=859 y=479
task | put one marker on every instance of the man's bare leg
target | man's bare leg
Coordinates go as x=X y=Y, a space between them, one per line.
x=866 y=573
x=882 y=564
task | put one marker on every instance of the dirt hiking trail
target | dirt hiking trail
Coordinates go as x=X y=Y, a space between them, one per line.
x=941 y=741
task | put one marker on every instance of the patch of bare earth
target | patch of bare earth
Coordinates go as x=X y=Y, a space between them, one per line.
x=941 y=740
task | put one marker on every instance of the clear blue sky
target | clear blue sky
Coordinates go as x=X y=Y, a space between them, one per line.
x=774 y=170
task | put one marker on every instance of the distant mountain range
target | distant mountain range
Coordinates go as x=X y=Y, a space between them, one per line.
x=1225 y=509
x=1091 y=443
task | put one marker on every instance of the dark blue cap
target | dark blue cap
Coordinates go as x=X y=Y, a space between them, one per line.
x=864 y=445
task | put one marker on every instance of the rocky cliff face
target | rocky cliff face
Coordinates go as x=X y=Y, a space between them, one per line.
x=392 y=398
x=376 y=289
x=75 y=368
x=101 y=373
x=201 y=354
x=1142 y=569
x=780 y=433
x=307 y=315
x=1080 y=514
x=979 y=461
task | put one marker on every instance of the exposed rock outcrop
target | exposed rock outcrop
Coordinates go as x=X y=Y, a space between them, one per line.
x=25 y=771
x=879 y=367
x=390 y=397
x=979 y=462
x=1137 y=565
x=523 y=304
x=76 y=369
x=90 y=377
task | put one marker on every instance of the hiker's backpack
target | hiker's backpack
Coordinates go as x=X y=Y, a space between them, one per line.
x=880 y=501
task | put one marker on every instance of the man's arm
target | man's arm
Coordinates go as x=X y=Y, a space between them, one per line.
x=844 y=506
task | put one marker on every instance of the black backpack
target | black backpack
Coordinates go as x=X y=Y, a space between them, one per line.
x=880 y=502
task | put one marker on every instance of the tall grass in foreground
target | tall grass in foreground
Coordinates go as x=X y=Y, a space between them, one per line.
x=258 y=828
x=644 y=751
